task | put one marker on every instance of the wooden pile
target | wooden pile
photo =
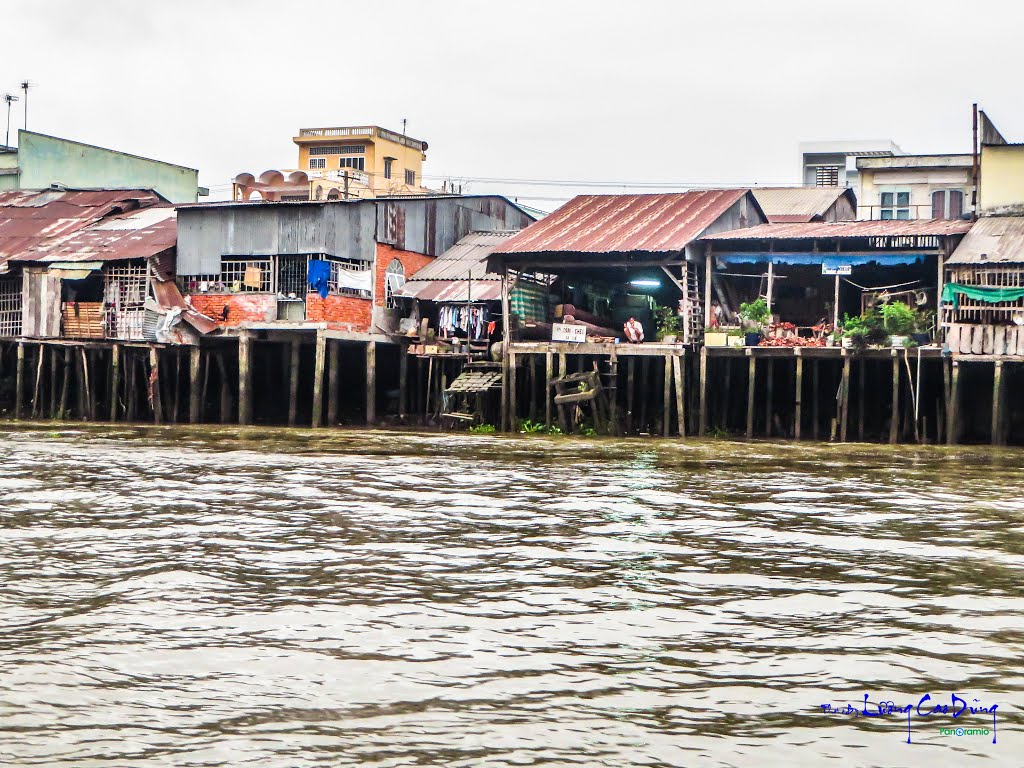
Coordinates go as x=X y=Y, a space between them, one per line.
x=969 y=339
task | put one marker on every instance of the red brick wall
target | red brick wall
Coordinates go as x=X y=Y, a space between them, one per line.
x=412 y=262
x=340 y=312
x=242 y=307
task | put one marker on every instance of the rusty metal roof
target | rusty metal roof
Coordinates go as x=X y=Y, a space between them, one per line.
x=797 y=204
x=29 y=218
x=136 y=235
x=992 y=240
x=656 y=223
x=846 y=229
x=447 y=278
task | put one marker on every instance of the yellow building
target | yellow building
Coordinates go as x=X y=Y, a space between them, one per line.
x=1002 y=179
x=361 y=161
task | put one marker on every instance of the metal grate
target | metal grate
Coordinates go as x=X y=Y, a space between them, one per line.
x=826 y=176
x=10 y=307
x=350 y=265
x=125 y=290
x=293 y=275
x=233 y=276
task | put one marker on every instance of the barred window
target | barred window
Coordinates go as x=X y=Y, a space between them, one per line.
x=410 y=177
x=250 y=276
x=826 y=176
x=359 y=163
x=343 y=149
x=317 y=163
x=350 y=277
x=10 y=307
x=394 y=279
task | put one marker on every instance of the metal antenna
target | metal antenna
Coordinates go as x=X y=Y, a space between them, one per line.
x=404 y=121
x=25 y=85
x=10 y=98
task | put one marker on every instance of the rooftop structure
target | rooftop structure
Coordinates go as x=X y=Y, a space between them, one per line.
x=795 y=204
x=834 y=163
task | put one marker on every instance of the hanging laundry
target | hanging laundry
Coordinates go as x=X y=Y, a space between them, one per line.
x=460 y=320
x=253 y=277
x=319 y=276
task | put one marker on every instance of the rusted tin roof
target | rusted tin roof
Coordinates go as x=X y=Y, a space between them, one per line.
x=140 y=234
x=460 y=273
x=656 y=223
x=992 y=240
x=31 y=217
x=846 y=229
x=796 y=204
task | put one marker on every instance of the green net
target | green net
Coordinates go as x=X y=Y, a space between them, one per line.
x=990 y=295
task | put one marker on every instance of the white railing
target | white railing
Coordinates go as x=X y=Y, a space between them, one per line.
x=363 y=130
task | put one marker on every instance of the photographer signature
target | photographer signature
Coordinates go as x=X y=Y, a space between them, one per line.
x=957 y=707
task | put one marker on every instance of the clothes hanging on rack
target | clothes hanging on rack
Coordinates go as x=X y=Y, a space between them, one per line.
x=458 y=319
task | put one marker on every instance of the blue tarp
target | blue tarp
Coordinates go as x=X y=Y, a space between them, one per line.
x=319 y=275
x=810 y=259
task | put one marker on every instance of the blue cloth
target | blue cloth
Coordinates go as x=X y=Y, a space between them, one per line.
x=319 y=275
x=810 y=258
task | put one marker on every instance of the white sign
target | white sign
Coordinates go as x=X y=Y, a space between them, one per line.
x=566 y=332
x=839 y=269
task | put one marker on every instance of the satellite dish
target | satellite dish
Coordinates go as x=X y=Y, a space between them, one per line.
x=921 y=298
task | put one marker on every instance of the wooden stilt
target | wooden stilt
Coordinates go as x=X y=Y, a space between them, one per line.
x=630 y=373
x=115 y=382
x=53 y=383
x=333 y=355
x=130 y=384
x=549 y=375
x=894 y=421
x=226 y=406
x=532 y=383
x=769 y=405
x=952 y=406
x=403 y=375
x=19 y=381
x=724 y=408
x=37 y=403
x=751 y=388
x=206 y=383
x=666 y=397
x=244 y=378
x=844 y=399
x=798 y=394
x=645 y=392
x=195 y=404
x=80 y=389
x=861 y=398
x=294 y=361
x=702 y=427
x=176 y=388
x=997 y=404
x=427 y=393
x=613 y=394
x=319 y=361
x=371 y=383
x=677 y=372
x=513 y=383
x=815 y=365
x=154 y=385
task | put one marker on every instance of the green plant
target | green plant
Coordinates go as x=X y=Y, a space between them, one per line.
x=924 y=321
x=898 y=318
x=858 y=338
x=864 y=330
x=668 y=321
x=530 y=427
x=483 y=429
x=755 y=314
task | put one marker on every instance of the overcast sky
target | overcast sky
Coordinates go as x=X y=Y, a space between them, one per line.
x=637 y=91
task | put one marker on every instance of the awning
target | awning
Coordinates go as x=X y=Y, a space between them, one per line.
x=831 y=260
x=73 y=270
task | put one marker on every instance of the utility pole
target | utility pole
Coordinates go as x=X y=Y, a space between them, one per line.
x=10 y=98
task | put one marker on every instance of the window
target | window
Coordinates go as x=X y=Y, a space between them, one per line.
x=10 y=306
x=315 y=163
x=344 y=149
x=826 y=176
x=350 y=277
x=894 y=204
x=947 y=204
x=394 y=279
x=388 y=163
x=238 y=276
x=410 y=177
x=359 y=163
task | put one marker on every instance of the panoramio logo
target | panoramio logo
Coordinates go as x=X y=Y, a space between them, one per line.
x=964 y=731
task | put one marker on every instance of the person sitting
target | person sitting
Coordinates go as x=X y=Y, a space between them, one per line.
x=634 y=331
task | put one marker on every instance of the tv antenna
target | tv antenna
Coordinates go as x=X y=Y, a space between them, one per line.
x=10 y=98
x=25 y=85
x=404 y=121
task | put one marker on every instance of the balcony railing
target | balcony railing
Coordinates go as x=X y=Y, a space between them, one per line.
x=874 y=212
x=363 y=130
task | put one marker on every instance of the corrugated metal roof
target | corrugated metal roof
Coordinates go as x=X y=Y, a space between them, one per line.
x=796 y=204
x=992 y=239
x=446 y=277
x=136 y=235
x=846 y=229
x=622 y=223
x=31 y=217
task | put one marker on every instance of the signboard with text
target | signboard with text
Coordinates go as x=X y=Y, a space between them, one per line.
x=836 y=269
x=566 y=332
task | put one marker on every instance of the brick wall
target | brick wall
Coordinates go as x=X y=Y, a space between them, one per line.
x=413 y=262
x=242 y=307
x=340 y=312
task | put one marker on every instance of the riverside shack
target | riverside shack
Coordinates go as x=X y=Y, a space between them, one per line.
x=606 y=259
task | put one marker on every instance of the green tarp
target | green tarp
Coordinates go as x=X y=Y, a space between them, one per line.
x=953 y=291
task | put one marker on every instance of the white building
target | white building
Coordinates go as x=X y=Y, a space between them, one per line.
x=915 y=187
x=834 y=163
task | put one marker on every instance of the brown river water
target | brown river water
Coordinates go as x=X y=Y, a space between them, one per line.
x=287 y=598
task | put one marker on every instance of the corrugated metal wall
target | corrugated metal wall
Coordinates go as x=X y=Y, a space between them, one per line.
x=346 y=230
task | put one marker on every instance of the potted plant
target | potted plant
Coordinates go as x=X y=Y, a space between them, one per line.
x=713 y=337
x=924 y=324
x=734 y=337
x=898 y=320
x=754 y=315
x=669 y=325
